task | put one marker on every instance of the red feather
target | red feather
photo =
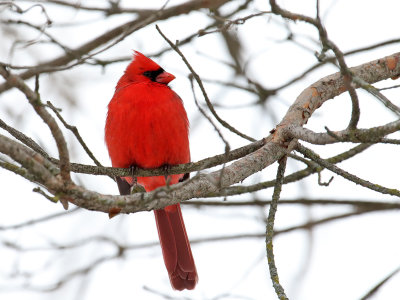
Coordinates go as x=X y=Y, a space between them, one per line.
x=147 y=127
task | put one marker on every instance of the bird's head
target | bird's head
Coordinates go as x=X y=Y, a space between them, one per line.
x=143 y=69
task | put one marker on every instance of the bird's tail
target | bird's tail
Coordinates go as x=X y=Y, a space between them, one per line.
x=176 y=248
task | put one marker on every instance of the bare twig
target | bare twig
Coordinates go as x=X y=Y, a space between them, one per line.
x=75 y=132
x=373 y=291
x=376 y=92
x=295 y=176
x=273 y=271
x=227 y=146
x=114 y=7
x=369 y=135
x=39 y=220
x=327 y=44
x=373 y=186
x=35 y=168
x=44 y=194
x=322 y=183
x=35 y=101
x=24 y=139
x=230 y=23
x=19 y=10
x=199 y=82
x=357 y=204
x=42 y=31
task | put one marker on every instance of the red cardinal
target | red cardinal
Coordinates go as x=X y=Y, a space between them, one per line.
x=147 y=127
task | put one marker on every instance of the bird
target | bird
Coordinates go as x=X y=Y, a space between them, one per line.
x=147 y=127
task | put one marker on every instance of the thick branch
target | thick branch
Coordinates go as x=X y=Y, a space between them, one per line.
x=34 y=163
x=333 y=85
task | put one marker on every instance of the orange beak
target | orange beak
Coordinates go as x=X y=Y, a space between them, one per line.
x=165 y=77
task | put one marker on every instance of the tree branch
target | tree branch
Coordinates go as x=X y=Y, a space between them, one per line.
x=369 y=135
x=273 y=271
x=373 y=186
x=203 y=90
x=35 y=101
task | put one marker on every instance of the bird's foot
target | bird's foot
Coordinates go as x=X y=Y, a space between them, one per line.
x=166 y=168
x=132 y=170
x=136 y=187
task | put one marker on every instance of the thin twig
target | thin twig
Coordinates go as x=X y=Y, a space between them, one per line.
x=229 y=23
x=273 y=271
x=373 y=186
x=390 y=141
x=327 y=44
x=199 y=82
x=371 y=135
x=227 y=146
x=357 y=204
x=41 y=30
x=373 y=291
x=113 y=9
x=39 y=220
x=376 y=92
x=26 y=140
x=390 y=87
x=21 y=171
x=35 y=101
x=75 y=132
x=19 y=10
x=295 y=176
x=44 y=194
x=344 y=70
x=322 y=183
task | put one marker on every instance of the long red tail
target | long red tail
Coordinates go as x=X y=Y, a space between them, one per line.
x=176 y=248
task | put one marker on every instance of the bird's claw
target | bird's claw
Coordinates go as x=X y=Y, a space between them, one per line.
x=137 y=188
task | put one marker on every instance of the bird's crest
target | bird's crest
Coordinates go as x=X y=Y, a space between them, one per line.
x=140 y=64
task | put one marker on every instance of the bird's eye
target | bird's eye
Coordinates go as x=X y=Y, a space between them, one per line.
x=153 y=74
x=147 y=73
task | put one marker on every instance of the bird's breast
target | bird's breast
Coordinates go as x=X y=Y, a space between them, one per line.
x=147 y=126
